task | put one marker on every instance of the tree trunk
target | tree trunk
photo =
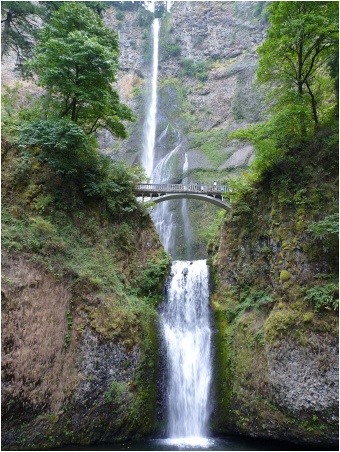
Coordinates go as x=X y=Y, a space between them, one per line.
x=313 y=102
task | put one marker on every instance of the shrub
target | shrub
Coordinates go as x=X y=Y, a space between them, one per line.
x=195 y=69
x=120 y=15
x=325 y=228
x=324 y=295
x=73 y=157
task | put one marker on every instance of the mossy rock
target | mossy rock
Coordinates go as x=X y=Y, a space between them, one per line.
x=286 y=245
x=284 y=276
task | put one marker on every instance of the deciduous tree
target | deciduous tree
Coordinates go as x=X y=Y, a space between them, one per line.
x=76 y=61
x=302 y=41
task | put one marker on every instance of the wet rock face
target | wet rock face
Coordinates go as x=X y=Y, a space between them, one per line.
x=277 y=363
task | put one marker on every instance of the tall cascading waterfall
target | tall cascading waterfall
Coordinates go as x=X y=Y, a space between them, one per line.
x=185 y=313
x=150 y=123
x=187 y=235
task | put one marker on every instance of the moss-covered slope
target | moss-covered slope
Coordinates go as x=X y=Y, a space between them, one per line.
x=275 y=305
x=79 y=295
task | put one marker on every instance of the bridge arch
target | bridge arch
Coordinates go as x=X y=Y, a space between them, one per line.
x=215 y=194
x=206 y=198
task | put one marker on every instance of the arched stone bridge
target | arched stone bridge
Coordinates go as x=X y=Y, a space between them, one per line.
x=165 y=192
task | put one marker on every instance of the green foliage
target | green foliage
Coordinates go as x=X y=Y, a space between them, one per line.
x=209 y=235
x=20 y=22
x=194 y=68
x=72 y=155
x=9 y=100
x=67 y=336
x=301 y=39
x=120 y=15
x=60 y=143
x=148 y=282
x=171 y=49
x=125 y=5
x=51 y=6
x=294 y=66
x=76 y=60
x=116 y=391
x=326 y=228
x=212 y=144
x=252 y=300
x=10 y=106
x=274 y=139
x=144 y=18
x=324 y=296
x=243 y=194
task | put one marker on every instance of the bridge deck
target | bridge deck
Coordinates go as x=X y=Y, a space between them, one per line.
x=162 y=189
x=214 y=194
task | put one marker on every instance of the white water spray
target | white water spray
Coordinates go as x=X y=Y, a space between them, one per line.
x=150 y=123
x=187 y=334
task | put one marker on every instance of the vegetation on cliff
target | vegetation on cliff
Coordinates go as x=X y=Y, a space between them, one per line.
x=276 y=268
x=83 y=268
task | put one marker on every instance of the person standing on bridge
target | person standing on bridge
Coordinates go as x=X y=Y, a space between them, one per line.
x=215 y=185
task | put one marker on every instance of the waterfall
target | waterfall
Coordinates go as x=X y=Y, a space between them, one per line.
x=185 y=210
x=185 y=317
x=161 y=215
x=187 y=333
x=150 y=123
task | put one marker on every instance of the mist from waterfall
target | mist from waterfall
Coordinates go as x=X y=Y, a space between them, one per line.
x=162 y=216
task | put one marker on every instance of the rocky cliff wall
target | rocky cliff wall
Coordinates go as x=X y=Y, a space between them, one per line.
x=75 y=368
x=276 y=362
x=80 y=352
x=207 y=64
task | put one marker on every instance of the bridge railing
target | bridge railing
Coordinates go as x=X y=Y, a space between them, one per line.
x=180 y=188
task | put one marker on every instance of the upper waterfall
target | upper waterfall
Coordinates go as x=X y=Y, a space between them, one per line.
x=150 y=123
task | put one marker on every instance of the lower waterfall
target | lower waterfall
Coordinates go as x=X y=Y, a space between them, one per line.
x=187 y=334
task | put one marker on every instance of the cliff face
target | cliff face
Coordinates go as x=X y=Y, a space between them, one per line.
x=206 y=89
x=207 y=63
x=72 y=369
x=79 y=318
x=76 y=368
x=276 y=359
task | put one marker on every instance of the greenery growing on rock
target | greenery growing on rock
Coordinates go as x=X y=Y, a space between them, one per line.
x=279 y=245
x=83 y=267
